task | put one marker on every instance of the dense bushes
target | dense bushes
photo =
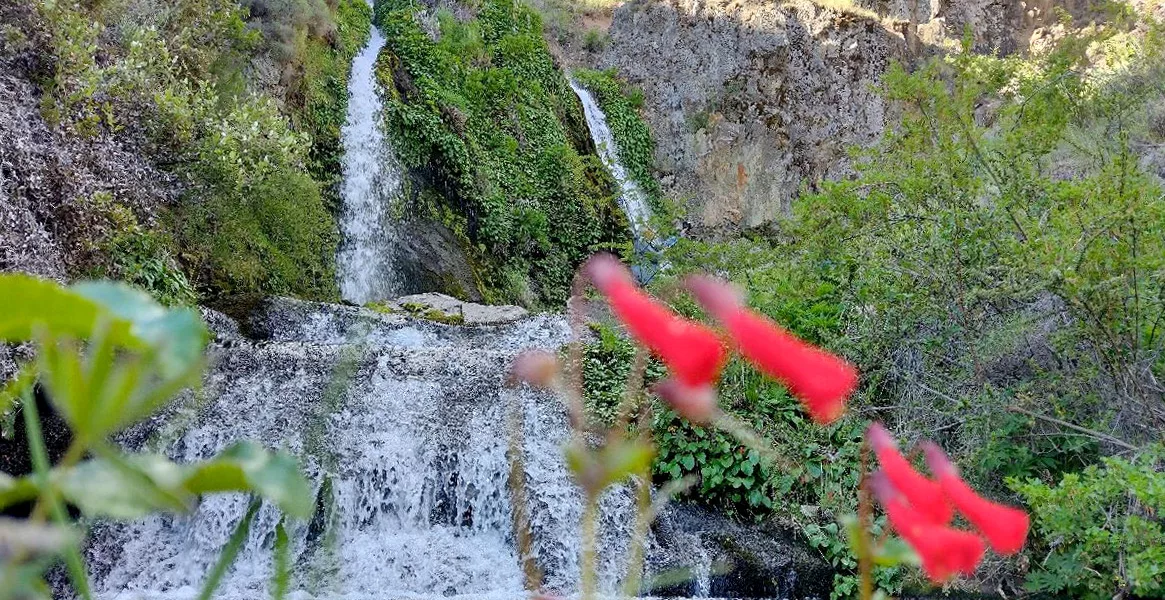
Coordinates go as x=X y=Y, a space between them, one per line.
x=249 y=219
x=1101 y=529
x=994 y=268
x=483 y=117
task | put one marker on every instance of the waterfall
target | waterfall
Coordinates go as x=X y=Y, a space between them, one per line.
x=631 y=197
x=371 y=181
x=408 y=456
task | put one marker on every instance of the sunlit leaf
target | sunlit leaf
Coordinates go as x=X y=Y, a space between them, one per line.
x=275 y=477
x=30 y=303
x=177 y=336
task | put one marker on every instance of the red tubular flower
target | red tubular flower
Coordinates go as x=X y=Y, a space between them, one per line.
x=1003 y=526
x=819 y=379
x=696 y=404
x=691 y=351
x=944 y=551
x=924 y=494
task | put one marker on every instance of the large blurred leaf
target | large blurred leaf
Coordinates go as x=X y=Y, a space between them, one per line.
x=176 y=336
x=248 y=466
x=132 y=487
x=21 y=538
x=30 y=303
x=126 y=488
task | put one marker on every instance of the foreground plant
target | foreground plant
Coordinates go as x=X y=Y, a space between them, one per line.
x=107 y=356
x=920 y=509
x=694 y=355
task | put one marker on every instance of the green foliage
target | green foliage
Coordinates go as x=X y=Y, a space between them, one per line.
x=594 y=40
x=636 y=147
x=177 y=77
x=107 y=357
x=1102 y=528
x=322 y=100
x=838 y=540
x=1001 y=246
x=484 y=118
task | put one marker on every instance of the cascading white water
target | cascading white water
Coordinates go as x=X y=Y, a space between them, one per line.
x=413 y=452
x=371 y=181
x=632 y=198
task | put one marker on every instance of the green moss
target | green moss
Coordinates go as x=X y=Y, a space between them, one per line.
x=484 y=120
x=380 y=307
x=322 y=97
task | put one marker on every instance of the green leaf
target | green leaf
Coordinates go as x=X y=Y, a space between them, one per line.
x=126 y=488
x=176 y=336
x=248 y=466
x=30 y=302
x=281 y=562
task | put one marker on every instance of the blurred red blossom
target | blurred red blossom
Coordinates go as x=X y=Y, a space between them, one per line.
x=923 y=493
x=944 y=551
x=919 y=509
x=1003 y=526
x=691 y=351
x=821 y=380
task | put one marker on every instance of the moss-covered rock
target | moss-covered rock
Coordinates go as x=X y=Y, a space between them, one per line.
x=495 y=141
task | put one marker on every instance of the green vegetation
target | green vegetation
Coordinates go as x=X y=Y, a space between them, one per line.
x=632 y=136
x=495 y=136
x=250 y=219
x=322 y=96
x=107 y=357
x=994 y=269
x=1101 y=529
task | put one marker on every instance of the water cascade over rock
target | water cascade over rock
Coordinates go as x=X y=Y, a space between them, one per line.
x=631 y=198
x=402 y=425
x=372 y=179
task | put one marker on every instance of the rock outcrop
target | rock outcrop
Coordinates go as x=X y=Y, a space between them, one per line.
x=748 y=101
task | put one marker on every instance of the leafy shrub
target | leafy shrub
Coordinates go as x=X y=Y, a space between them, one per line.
x=483 y=117
x=594 y=40
x=86 y=337
x=272 y=237
x=176 y=77
x=1103 y=529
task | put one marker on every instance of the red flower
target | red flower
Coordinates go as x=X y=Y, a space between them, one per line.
x=1003 y=526
x=924 y=494
x=944 y=551
x=691 y=351
x=819 y=379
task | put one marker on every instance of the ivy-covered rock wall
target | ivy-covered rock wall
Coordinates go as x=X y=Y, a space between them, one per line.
x=496 y=145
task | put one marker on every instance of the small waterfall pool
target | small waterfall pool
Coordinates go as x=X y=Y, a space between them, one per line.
x=371 y=181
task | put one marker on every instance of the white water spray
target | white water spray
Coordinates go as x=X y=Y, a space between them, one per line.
x=371 y=182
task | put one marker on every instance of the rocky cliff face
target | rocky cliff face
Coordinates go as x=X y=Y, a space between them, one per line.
x=748 y=101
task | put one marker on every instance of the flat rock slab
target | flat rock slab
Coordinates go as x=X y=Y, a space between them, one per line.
x=440 y=307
